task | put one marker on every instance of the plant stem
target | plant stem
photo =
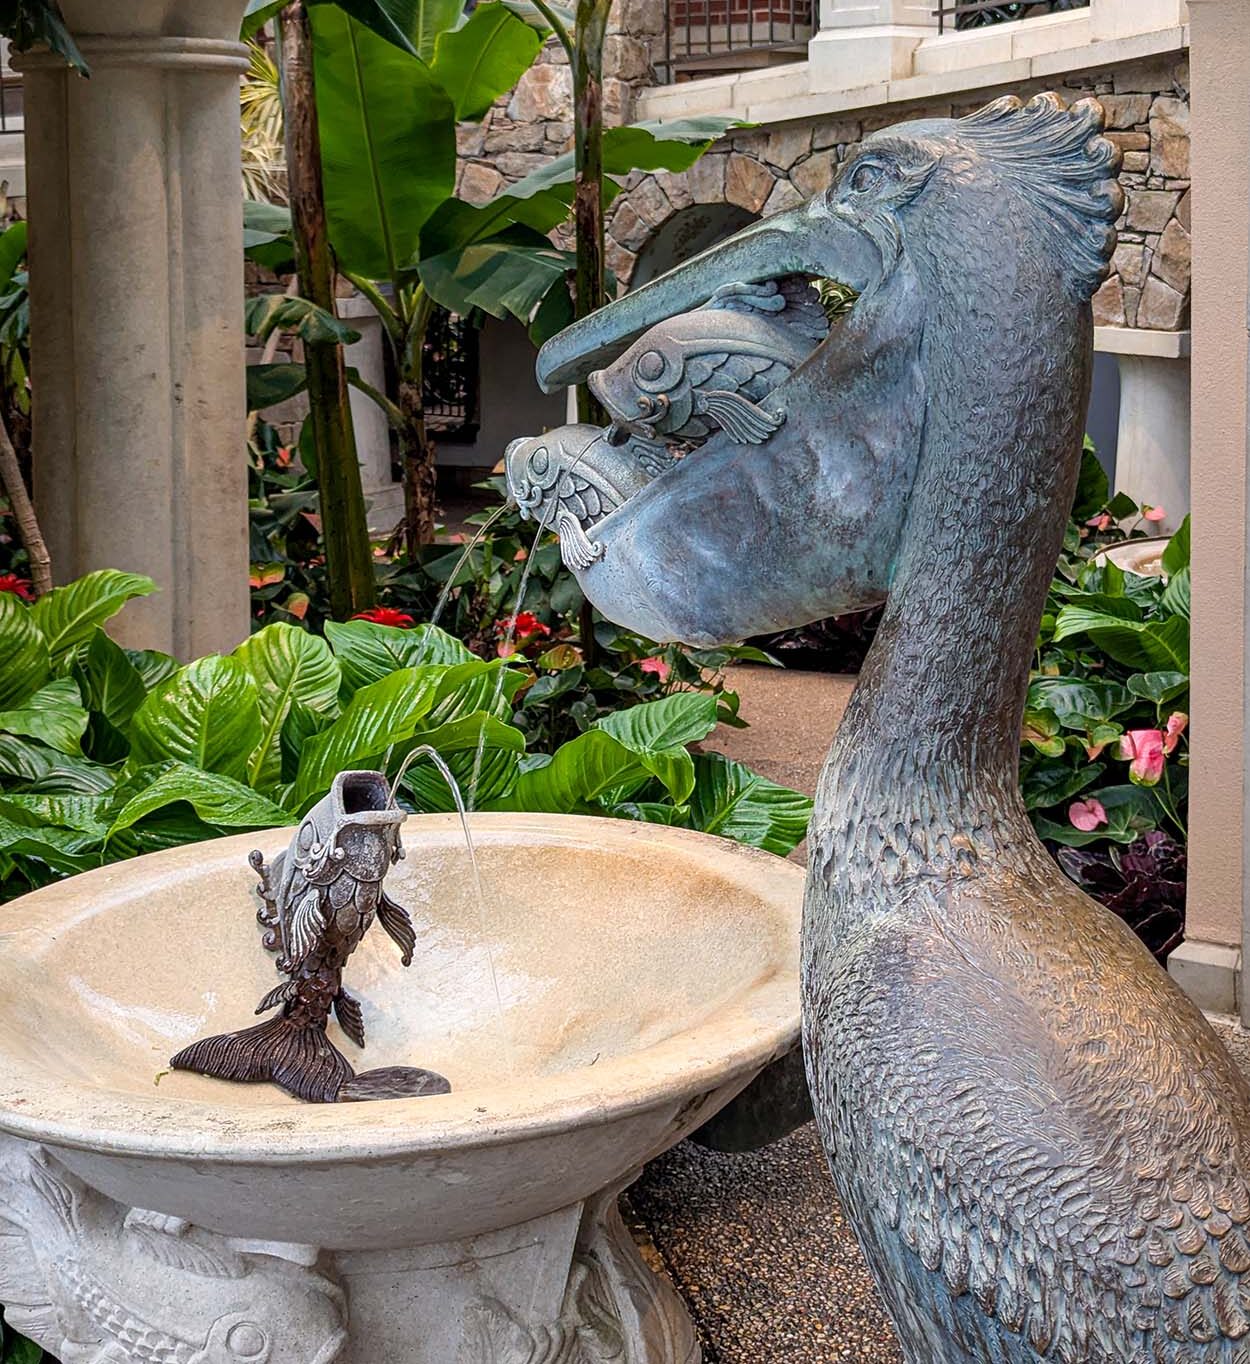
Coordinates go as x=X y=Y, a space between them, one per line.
x=588 y=36
x=415 y=447
x=344 y=525
x=24 y=514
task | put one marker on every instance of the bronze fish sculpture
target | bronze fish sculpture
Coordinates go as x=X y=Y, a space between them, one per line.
x=712 y=369
x=321 y=897
x=96 y=1283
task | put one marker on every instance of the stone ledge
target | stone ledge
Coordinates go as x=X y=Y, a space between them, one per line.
x=784 y=94
x=1142 y=341
x=1209 y=973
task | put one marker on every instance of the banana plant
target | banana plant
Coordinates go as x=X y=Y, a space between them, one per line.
x=107 y=752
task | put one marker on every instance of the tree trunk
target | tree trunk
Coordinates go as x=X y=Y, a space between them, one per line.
x=24 y=514
x=344 y=525
x=416 y=449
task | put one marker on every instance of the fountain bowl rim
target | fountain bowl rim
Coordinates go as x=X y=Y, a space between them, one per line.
x=729 y=1045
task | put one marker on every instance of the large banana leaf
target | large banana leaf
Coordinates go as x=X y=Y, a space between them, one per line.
x=503 y=278
x=388 y=144
x=484 y=59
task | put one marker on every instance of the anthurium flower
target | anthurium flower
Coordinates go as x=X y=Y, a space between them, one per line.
x=1145 y=750
x=387 y=615
x=1150 y=513
x=656 y=666
x=10 y=582
x=1100 y=522
x=1177 y=723
x=1087 y=815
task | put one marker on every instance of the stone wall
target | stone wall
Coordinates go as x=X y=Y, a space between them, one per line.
x=769 y=169
x=534 y=124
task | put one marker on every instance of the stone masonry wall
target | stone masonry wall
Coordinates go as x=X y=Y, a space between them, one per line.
x=767 y=170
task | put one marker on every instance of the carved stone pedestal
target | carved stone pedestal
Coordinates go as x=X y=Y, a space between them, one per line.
x=97 y=1283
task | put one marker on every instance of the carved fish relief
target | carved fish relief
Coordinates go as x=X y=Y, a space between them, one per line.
x=94 y=1283
x=713 y=368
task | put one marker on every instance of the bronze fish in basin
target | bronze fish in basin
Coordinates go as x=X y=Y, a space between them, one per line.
x=321 y=897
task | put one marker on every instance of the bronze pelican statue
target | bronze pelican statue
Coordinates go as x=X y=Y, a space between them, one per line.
x=1042 y=1145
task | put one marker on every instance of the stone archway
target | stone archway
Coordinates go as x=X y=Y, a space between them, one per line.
x=689 y=231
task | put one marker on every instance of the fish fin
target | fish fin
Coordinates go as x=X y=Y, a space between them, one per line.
x=300 y=1059
x=394 y=1082
x=278 y=995
x=351 y=1020
x=739 y=418
x=577 y=549
x=765 y=297
x=308 y=922
x=398 y=924
x=166 y=1240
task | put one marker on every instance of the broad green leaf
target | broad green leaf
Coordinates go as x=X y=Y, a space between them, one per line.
x=12 y=251
x=216 y=799
x=658 y=731
x=39 y=23
x=1176 y=596
x=527 y=10
x=41 y=768
x=653 y=812
x=401 y=22
x=207 y=715
x=1131 y=811
x=109 y=681
x=257 y=15
x=579 y=773
x=499 y=277
x=388 y=144
x=287 y=664
x=64 y=850
x=1152 y=646
x=479 y=684
x=84 y=814
x=1092 y=487
x=68 y=615
x=368 y=652
x=1176 y=555
x=1159 y=687
x=53 y=715
x=269 y=385
x=734 y=802
x=265 y=313
x=1053 y=784
x=484 y=59
x=24 y=659
x=428 y=792
x=153 y=666
x=1075 y=701
x=378 y=717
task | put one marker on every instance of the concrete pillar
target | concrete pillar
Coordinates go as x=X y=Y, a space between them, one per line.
x=1208 y=965
x=136 y=272
x=373 y=433
x=867 y=42
x=1152 y=443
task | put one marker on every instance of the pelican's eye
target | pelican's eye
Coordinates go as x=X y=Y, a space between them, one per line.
x=649 y=366
x=865 y=176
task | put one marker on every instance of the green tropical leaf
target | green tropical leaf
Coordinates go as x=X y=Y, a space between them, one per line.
x=378 y=717
x=153 y=666
x=68 y=615
x=734 y=802
x=1176 y=596
x=81 y=813
x=269 y=385
x=1051 y=784
x=43 y=769
x=265 y=313
x=1151 y=646
x=657 y=732
x=500 y=277
x=12 y=252
x=1131 y=811
x=257 y=15
x=368 y=652
x=484 y=59
x=428 y=792
x=577 y=774
x=207 y=715
x=216 y=799
x=287 y=664
x=109 y=682
x=25 y=664
x=1176 y=555
x=1159 y=687
x=53 y=715
x=388 y=144
x=478 y=684
x=1092 y=487
x=66 y=851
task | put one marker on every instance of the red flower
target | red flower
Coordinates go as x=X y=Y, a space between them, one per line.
x=656 y=666
x=10 y=582
x=387 y=615
x=524 y=625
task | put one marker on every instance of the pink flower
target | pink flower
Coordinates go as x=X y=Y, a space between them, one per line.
x=1099 y=522
x=1150 y=513
x=1177 y=723
x=1144 y=747
x=1087 y=815
x=656 y=666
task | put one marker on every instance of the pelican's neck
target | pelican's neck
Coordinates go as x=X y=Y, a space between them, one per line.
x=931 y=739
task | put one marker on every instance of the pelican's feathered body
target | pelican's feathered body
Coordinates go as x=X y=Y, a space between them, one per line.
x=1042 y=1145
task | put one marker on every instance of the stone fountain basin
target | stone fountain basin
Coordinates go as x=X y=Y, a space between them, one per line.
x=644 y=976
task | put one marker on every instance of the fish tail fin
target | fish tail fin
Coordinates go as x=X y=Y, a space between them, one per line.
x=300 y=1059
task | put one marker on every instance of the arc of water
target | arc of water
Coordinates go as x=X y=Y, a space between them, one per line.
x=445 y=595
x=426 y=751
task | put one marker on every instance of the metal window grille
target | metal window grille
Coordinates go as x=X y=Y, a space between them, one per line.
x=977 y=13
x=449 y=376
x=706 y=36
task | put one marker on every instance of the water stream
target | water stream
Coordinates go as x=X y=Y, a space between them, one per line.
x=445 y=595
x=425 y=751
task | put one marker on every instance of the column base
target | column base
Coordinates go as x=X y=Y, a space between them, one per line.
x=1209 y=973
x=89 y=1279
x=851 y=58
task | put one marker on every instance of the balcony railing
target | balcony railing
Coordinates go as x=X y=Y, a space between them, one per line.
x=710 y=36
x=976 y=13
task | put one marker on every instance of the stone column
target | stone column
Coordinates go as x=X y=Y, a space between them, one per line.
x=137 y=311
x=383 y=493
x=1209 y=963
x=867 y=42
